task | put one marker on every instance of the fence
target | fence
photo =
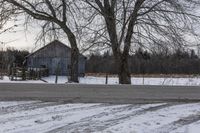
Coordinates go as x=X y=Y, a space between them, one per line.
x=18 y=73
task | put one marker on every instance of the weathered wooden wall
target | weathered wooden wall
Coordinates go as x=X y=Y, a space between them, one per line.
x=55 y=55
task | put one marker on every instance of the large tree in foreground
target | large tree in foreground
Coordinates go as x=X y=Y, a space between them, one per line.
x=56 y=14
x=145 y=23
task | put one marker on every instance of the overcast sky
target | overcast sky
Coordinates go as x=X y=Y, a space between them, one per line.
x=23 y=39
x=18 y=38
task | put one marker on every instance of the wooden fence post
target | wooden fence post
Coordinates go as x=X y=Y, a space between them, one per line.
x=106 y=78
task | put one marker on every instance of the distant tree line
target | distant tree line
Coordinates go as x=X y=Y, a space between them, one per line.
x=144 y=62
x=141 y=62
x=10 y=56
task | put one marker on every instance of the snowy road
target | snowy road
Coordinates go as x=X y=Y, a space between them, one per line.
x=41 y=117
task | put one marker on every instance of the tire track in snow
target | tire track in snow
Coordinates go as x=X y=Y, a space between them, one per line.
x=93 y=124
x=25 y=107
x=88 y=118
x=15 y=103
x=36 y=114
x=45 y=122
x=153 y=122
x=178 y=124
x=46 y=111
x=114 y=110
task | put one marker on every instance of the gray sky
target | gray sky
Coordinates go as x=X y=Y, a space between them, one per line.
x=23 y=39
x=18 y=38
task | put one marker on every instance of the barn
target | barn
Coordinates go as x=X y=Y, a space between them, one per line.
x=53 y=56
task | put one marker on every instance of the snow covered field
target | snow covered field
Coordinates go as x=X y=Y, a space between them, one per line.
x=40 y=117
x=194 y=81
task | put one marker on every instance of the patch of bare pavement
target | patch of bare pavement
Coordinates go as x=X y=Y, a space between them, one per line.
x=117 y=94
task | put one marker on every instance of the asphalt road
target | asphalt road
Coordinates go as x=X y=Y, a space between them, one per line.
x=98 y=93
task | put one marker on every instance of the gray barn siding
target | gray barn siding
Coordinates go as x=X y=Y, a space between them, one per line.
x=51 y=56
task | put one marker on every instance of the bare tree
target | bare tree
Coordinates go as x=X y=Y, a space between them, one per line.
x=164 y=23
x=6 y=14
x=55 y=14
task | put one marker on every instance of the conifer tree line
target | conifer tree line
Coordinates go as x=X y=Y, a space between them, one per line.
x=141 y=62
x=10 y=56
x=144 y=62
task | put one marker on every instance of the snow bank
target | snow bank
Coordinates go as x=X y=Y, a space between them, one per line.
x=195 y=81
x=135 y=80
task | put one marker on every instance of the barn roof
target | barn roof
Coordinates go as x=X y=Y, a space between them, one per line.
x=51 y=43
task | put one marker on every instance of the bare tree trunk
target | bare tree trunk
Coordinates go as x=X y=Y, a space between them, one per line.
x=74 y=65
x=74 y=54
x=123 y=69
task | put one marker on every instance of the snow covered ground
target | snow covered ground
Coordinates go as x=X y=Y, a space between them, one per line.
x=40 y=117
x=7 y=80
x=194 y=81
